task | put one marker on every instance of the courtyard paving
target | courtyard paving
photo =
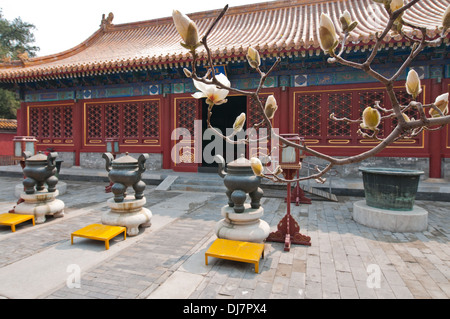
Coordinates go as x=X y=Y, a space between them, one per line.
x=167 y=261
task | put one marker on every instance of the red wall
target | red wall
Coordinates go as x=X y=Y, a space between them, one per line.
x=6 y=143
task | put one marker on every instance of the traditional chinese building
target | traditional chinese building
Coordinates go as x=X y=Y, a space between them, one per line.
x=126 y=81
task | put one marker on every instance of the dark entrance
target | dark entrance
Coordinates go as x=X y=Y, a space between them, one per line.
x=223 y=117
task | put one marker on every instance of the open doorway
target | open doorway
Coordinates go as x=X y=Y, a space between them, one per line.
x=223 y=117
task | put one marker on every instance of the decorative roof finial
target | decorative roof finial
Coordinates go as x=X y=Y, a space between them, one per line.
x=106 y=22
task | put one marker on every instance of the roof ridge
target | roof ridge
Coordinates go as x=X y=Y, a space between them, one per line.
x=208 y=14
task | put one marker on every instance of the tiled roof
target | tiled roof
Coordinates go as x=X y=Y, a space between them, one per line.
x=9 y=125
x=275 y=28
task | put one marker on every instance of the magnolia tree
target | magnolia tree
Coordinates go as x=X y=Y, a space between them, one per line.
x=216 y=87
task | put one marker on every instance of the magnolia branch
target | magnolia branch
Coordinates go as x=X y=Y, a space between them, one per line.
x=405 y=128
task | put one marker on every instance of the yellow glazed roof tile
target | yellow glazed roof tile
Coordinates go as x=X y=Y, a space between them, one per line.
x=272 y=28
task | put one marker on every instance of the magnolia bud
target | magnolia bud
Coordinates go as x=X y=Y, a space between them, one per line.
x=239 y=123
x=371 y=119
x=441 y=103
x=327 y=34
x=446 y=19
x=257 y=166
x=406 y=117
x=345 y=20
x=253 y=58
x=396 y=4
x=413 y=86
x=187 y=30
x=271 y=107
x=187 y=73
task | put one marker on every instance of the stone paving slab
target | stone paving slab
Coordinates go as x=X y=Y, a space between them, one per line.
x=345 y=260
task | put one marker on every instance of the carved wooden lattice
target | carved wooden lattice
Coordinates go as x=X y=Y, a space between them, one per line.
x=187 y=114
x=48 y=123
x=95 y=121
x=35 y=123
x=308 y=117
x=68 y=122
x=341 y=105
x=112 y=120
x=130 y=120
x=254 y=115
x=45 y=123
x=56 y=122
x=136 y=120
x=151 y=119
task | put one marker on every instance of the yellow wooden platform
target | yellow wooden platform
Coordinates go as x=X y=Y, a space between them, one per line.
x=237 y=251
x=100 y=232
x=12 y=220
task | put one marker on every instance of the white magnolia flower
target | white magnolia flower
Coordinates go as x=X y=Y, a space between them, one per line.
x=413 y=86
x=187 y=29
x=213 y=94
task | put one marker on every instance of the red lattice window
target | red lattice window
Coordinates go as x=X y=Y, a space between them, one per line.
x=35 y=123
x=341 y=105
x=132 y=122
x=309 y=115
x=151 y=119
x=187 y=114
x=254 y=115
x=56 y=123
x=95 y=122
x=51 y=124
x=112 y=120
x=68 y=122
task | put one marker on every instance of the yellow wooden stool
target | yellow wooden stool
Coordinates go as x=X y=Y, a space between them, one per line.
x=12 y=220
x=237 y=251
x=100 y=232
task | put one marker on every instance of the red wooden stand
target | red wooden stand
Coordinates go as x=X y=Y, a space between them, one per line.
x=288 y=229
x=299 y=195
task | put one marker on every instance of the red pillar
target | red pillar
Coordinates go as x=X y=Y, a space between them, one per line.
x=166 y=131
x=22 y=125
x=78 y=129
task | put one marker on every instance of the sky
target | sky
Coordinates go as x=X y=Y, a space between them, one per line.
x=62 y=24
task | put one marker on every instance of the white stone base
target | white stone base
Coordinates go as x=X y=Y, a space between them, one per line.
x=130 y=214
x=246 y=227
x=390 y=220
x=40 y=205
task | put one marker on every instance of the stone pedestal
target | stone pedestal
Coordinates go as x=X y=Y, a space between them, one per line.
x=415 y=220
x=246 y=226
x=130 y=214
x=40 y=204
